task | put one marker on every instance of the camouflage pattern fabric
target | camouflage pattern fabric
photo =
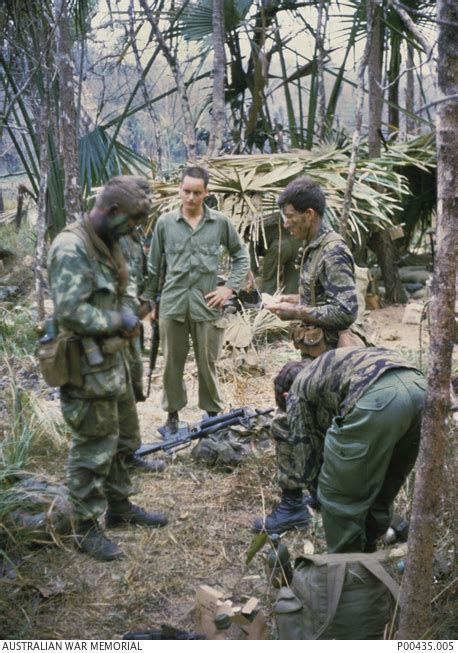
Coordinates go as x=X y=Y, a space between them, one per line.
x=89 y=292
x=327 y=387
x=96 y=471
x=335 y=286
x=352 y=428
x=133 y=253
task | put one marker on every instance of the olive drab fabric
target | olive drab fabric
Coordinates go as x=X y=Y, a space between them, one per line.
x=279 y=269
x=327 y=285
x=191 y=258
x=352 y=428
x=340 y=596
x=88 y=283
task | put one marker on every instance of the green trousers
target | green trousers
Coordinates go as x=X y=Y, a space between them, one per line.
x=207 y=340
x=366 y=459
x=96 y=472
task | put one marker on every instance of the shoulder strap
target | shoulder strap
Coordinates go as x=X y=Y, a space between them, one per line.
x=377 y=570
x=330 y=237
x=78 y=229
x=335 y=582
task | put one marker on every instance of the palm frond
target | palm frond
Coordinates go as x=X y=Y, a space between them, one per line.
x=247 y=186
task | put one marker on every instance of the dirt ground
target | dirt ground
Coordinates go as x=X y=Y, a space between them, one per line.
x=56 y=592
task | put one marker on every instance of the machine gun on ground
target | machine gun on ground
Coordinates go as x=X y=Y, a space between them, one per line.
x=186 y=434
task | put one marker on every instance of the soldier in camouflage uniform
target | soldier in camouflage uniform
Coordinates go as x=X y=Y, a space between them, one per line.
x=352 y=426
x=129 y=437
x=327 y=296
x=88 y=277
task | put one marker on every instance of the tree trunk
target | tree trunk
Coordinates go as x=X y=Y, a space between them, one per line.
x=190 y=132
x=67 y=119
x=416 y=589
x=320 y=32
x=375 y=65
x=411 y=127
x=148 y=105
x=380 y=242
x=359 y=102
x=219 y=69
x=40 y=282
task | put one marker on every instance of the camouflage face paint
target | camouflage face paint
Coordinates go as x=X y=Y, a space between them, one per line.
x=120 y=225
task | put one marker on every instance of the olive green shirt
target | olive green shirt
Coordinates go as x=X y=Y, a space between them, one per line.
x=191 y=260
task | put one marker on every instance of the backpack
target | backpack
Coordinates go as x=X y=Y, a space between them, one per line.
x=337 y=596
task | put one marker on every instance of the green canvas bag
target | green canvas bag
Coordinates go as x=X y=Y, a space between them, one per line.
x=337 y=596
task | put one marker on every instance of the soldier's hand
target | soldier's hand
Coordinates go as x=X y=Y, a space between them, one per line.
x=218 y=297
x=130 y=325
x=284 y=310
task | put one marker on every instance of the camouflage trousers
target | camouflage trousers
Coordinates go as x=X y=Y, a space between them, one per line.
x=102 y=434
x=366 y=457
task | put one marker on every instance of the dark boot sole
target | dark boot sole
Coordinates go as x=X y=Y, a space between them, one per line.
x=300 y=526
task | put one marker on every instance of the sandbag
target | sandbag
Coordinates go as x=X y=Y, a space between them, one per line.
x=337 y=596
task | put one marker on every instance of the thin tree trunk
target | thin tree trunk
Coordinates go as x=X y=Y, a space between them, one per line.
x=371 y=6
x=67 y=118
x=320 y=32
x=416 y=590
x=149 y=107
x=375 y=65
x=40 y=282
x=410 y=92
x=219 y=69
x=190 y=132
x=380 y=241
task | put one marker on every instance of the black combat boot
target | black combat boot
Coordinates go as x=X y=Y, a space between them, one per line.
x=291 y=512
x=138 y=462
x=125 y=512
x=172 y=422
x=90 y=538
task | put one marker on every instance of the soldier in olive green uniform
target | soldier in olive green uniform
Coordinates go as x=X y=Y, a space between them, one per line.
x=327 y=289
x=279 y=264
x=352 y=427
x=88 y=277
x=188 y=242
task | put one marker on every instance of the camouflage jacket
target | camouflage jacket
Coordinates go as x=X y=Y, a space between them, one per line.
x=88 y=284
x=336 y=304
x=136 y=265
x=329 y=387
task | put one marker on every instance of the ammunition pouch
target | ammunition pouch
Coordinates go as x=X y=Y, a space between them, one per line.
x=309 y=340
x=349 y=338
x=114 y=344
x=59 y=361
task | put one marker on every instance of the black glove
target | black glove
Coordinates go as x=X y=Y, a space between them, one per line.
x=129 y=322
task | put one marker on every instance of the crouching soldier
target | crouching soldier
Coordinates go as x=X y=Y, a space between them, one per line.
x=351 y=428
x=88 y=277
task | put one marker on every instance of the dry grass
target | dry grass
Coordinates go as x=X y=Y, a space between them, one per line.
x=59 y=593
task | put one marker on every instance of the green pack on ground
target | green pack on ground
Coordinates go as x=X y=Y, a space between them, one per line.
x=337 y=596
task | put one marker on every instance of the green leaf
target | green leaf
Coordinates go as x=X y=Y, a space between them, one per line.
x=256 y=545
